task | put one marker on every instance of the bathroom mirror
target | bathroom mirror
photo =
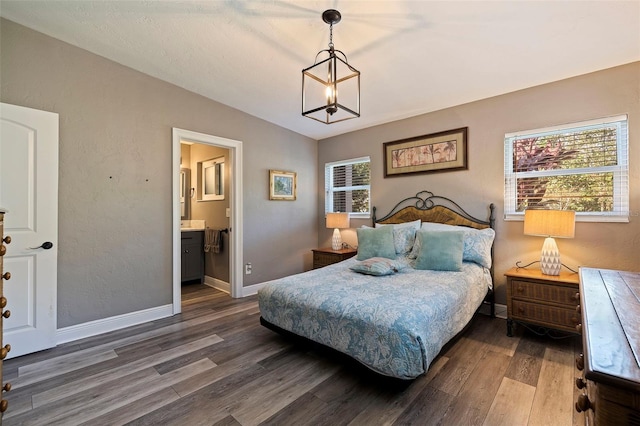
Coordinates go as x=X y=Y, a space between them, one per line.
x=185 y=194
x=213 y=179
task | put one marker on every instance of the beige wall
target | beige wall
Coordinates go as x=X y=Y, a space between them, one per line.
x=115 y=206
x=605 y=93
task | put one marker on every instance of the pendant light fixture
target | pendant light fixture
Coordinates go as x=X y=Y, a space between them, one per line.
x=331 y=87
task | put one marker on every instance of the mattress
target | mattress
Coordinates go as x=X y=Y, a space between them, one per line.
x=396 y=324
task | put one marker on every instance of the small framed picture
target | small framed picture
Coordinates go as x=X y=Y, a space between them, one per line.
x=282 y=185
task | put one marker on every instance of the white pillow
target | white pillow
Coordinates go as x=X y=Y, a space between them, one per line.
x=477 y=242
x=404 y=235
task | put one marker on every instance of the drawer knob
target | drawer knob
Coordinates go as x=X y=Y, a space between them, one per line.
x=576 y=296
x=3 y=405
x=3 y=250
x=583 y=403
x=580 y=362
x=580 y=383
x=4 y=351
x=579 y=328
x=6 y=313
x=520 y=310
x=3 y=302
x=6 y=387
x=7 y=239
x=6 y=276
x=578 y=309
x=520 y=289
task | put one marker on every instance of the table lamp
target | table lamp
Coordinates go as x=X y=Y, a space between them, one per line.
x=337 y=221
x=550 y=224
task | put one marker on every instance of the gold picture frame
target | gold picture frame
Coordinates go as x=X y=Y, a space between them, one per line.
x=282 y=185
x=437 y=152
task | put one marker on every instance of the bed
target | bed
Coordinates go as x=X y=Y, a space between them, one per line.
x=393 y=312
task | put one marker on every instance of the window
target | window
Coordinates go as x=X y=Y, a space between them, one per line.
x=347 y=187
x=580 y=166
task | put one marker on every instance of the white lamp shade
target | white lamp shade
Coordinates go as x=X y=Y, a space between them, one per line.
x=337 y=220
x=550 y=223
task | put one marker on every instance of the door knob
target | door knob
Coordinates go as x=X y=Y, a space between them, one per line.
x=46 y=245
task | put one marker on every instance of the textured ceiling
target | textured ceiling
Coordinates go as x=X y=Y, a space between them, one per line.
x=414 y=56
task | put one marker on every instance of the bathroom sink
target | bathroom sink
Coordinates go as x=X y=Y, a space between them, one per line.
x=192 y=225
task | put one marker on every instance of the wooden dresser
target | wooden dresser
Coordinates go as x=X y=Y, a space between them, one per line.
x=545 y=302
x=610 y=387
x=3 y=303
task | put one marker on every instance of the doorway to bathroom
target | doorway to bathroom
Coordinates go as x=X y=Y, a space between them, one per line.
x=207 y=202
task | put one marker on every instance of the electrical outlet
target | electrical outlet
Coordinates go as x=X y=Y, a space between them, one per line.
x=248 y=268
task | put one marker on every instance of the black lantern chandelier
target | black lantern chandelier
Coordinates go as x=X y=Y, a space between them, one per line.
x=331 y=87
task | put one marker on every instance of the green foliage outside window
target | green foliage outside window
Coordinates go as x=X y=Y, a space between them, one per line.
x=563 y=160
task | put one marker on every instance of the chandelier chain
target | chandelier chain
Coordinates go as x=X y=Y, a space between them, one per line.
x=331 y=36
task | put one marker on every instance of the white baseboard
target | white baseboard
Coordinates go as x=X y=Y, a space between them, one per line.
x=251 y=290
x=217 y=284
x=105 y=325
x=501 y=311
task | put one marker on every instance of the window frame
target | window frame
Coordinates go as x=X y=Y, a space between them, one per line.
x=329 y=189
x=620 y=171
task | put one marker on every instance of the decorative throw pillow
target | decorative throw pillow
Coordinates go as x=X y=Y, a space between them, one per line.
x=477 y=242
x=440 y=250
x=404 y=235
x=377 y=266
x=375 y=242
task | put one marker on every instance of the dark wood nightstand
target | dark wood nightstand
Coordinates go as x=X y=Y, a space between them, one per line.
x=546 y=301
x=327 y=256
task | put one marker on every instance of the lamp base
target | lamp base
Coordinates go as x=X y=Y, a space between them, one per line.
x=550 y=258
x=336 y=240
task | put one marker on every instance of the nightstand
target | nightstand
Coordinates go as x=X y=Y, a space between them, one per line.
x=548 y=302
x=327 y=256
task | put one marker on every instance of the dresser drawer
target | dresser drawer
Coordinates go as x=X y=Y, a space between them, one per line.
x=523 y=289
x=545 y=315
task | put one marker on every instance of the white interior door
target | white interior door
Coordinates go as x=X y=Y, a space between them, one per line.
x=29 y=191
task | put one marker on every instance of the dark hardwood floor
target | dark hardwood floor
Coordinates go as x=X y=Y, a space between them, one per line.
x=215 y=365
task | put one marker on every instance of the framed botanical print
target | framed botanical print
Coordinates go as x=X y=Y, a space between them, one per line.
x=436 y=152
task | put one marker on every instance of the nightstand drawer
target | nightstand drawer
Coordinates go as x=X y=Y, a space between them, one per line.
x=548 y=293
x=545 y=315
x=324 y=259
x=327 y=256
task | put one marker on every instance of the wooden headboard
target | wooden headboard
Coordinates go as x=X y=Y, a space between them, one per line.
x=434 y=208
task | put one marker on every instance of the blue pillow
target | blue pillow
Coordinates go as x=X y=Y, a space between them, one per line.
x=375 y=242
x=440 y=250
x=377 y=266
x=477 y=242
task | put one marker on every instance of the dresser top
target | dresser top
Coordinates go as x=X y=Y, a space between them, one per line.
x=611 y=327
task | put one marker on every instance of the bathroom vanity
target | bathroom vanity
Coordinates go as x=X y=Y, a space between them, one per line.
x=192 y=255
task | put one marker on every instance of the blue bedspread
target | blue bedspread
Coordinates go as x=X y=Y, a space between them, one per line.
x=395 y=324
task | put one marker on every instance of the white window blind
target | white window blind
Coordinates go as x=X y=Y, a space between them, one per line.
x=580 y=166
x=347 y=187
